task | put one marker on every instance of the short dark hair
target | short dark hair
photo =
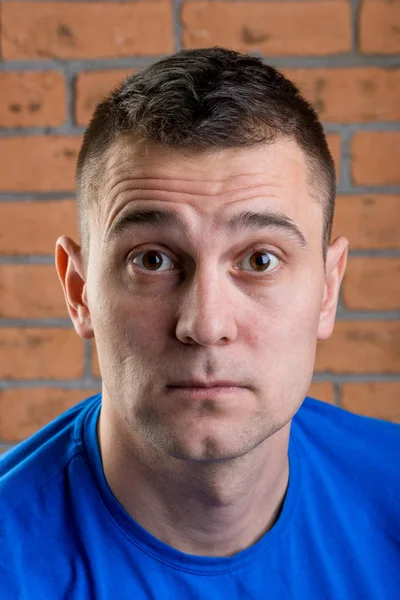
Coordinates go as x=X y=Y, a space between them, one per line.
x=205 y=99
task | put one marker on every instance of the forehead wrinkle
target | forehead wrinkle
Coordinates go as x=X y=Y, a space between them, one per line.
x=153 y=193
x=125 y=161
x=155 y=189
x=126 y=155
x=129 y=196
x=187 y=186
x=118 y=168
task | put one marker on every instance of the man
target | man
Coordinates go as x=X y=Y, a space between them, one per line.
x=206 y=275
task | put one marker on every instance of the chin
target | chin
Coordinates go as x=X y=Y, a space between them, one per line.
x=210 y=447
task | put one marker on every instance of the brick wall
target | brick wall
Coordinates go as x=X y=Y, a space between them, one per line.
x=59 y=58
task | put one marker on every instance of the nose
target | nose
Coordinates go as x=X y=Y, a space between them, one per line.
x=206 y=314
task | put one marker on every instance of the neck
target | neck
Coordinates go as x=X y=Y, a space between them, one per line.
x=215 y=508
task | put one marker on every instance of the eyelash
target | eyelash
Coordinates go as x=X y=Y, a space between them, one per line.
x=251 y=251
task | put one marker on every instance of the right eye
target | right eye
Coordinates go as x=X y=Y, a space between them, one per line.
x=151 y=259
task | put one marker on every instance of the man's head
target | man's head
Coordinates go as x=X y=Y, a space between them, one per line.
x=205 y=135
x=204 y=100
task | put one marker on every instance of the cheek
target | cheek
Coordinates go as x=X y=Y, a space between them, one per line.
x=286 y=347
x=288 y=323
x=128 y=328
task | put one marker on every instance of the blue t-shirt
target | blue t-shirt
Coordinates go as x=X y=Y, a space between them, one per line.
x=64 y=535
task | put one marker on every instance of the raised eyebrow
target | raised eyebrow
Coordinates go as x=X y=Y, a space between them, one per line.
x=152 y=217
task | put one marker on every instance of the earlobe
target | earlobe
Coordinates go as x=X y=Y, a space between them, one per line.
x=69 y=265
x=335 y=267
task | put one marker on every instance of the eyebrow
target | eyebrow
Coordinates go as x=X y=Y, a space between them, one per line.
x=253 y=221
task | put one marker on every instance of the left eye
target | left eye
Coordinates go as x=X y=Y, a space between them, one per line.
x=261 y=260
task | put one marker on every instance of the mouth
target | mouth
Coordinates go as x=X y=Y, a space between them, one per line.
x=206 y=384
x=204 y=393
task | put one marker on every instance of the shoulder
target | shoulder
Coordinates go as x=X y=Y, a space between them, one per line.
x=322 y=419
x=350 y=447
x=37 y=460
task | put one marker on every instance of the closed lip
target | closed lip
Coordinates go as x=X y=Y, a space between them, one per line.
x=205 y=384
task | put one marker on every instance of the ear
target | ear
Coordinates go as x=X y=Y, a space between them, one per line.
x=69 y=265
x=336 y=261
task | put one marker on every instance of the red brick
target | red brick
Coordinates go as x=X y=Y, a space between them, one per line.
x=372 y=284
x=91 y=88
x=23 y=411
x=30 y=99
x=375 y=158
x=273 y=28
x=379 y=27
x=322 y=390
x=335 y=146
x=368 y=221
x=350 y=95
x=38 y=163
x=42 y=30
x=31 y=292
x=376 y=399
x=36 y=353
x=361 y=347
x=34 y=227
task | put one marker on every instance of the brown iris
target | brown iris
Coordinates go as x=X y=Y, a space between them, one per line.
x=262 y=260
x=154 y=262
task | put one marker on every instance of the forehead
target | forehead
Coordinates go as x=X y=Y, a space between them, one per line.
x=206 y=184
x=281 y=163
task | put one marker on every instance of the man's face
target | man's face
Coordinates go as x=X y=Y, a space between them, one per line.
x=204 y=302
